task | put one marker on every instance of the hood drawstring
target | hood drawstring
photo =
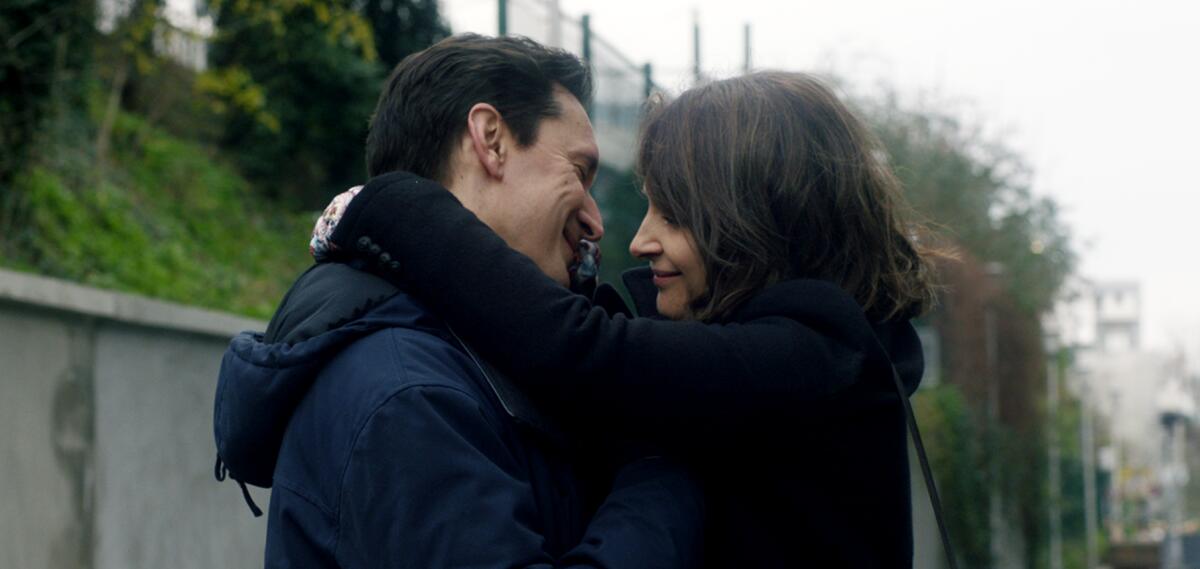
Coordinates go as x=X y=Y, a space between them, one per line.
x=220 y=471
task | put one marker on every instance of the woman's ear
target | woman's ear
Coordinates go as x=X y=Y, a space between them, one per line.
x=487 y=129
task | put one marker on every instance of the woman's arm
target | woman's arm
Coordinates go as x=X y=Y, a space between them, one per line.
x=554 y=343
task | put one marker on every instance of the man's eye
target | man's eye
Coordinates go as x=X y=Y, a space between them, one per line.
x=670 y=220
x=579 y=171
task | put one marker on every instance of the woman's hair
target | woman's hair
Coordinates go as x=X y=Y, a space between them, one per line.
x=776 y=179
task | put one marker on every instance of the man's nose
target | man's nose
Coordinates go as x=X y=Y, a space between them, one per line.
x=590 y=220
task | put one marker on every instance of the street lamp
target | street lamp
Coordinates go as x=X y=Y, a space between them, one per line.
x=1176 y=409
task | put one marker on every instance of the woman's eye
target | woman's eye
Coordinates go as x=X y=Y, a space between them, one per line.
x=669 y=220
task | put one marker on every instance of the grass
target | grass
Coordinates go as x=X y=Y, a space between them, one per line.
x=162 y=219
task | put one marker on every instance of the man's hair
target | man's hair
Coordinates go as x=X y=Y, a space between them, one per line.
x=422 y=111
x=776 y=179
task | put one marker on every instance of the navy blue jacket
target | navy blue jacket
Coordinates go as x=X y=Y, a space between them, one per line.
x=788 y=409
x=389 y=445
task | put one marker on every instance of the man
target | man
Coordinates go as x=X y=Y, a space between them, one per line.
x=387 y=441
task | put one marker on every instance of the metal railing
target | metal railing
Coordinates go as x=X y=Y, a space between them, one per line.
x=621 y=86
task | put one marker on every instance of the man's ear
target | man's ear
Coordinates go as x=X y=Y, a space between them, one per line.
x=487 y=131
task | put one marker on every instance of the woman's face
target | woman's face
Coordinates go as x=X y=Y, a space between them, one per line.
x=679 y=272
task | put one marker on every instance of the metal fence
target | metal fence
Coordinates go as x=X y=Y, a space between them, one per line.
x=621 y=86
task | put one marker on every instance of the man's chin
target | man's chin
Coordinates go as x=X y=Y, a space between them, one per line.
x=563 y=279
x=560 y=274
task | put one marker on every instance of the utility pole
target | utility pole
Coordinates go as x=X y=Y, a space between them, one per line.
x=746 y=61
x=696 y=74
x=1088 y=458
x=586 y=47
x=1176 y=447
x=995 y=503
x=502 y=21
x=1176 y=410
x=648 y=81
x=587 y=51
x=1055 y=457
x=554 y=33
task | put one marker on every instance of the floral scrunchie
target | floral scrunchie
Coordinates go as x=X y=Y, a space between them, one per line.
x=321 y=247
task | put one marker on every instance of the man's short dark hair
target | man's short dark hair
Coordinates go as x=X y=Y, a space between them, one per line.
x=422 y=111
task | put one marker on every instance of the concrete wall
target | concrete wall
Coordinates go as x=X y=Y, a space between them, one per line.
x=106 y=448
x=106 y=445
x=927 y=542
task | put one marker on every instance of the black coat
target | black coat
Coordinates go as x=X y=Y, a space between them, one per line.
x=389 y=446
x=788 y=409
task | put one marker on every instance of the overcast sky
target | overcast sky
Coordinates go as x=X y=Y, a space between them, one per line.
x=1101 y=97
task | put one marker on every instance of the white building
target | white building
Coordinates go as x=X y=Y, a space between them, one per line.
x=1126 y=385
x=184 y=37
x=1101 y=322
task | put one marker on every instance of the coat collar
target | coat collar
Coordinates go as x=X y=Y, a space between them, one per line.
x=640 y=284
x=515 y=403
x=335 y=293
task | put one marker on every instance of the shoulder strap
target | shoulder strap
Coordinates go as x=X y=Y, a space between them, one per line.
x=934 y=499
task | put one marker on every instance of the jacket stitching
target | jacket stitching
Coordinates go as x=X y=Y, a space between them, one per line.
x=286 y=484
x=403 y=369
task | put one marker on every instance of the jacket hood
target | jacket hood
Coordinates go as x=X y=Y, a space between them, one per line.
x=885 y=344
x=264 y=376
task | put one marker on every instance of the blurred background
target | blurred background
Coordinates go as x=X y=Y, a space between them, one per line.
x=162 y=163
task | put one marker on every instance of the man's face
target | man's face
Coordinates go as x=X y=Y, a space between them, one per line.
x=543 y=206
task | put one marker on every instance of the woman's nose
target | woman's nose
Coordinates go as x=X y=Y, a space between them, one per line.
x=644 y=245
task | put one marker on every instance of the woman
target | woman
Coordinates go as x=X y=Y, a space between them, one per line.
x=787 y=276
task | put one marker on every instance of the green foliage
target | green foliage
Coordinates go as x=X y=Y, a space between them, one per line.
x=1074 y=528
x=169 y=223
x=134 y=34
x=623 y=207
x=959 y=463
x=975 y=193
x=104 y=175
x=977 y=190
x=1023 y=485
x=295 y=82
x=45 y=60
x=402 y=27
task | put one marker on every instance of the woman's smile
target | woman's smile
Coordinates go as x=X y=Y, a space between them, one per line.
x=664 y=278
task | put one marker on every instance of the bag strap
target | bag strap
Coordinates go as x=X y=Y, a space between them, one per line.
x=934 y=499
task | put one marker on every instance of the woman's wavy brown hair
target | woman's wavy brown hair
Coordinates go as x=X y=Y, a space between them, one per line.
x=777 y=179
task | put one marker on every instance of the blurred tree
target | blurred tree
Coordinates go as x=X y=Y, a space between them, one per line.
x=1013 y=254
x=44 y=63
x=623 y=206
x=45 y=74
x=297 y=80
x=130 y=54
x=402 y=27
x=957 y=456
x=977 y=191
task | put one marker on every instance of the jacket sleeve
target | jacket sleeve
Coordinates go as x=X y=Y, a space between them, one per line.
x=557 y=344
x=432 y=484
